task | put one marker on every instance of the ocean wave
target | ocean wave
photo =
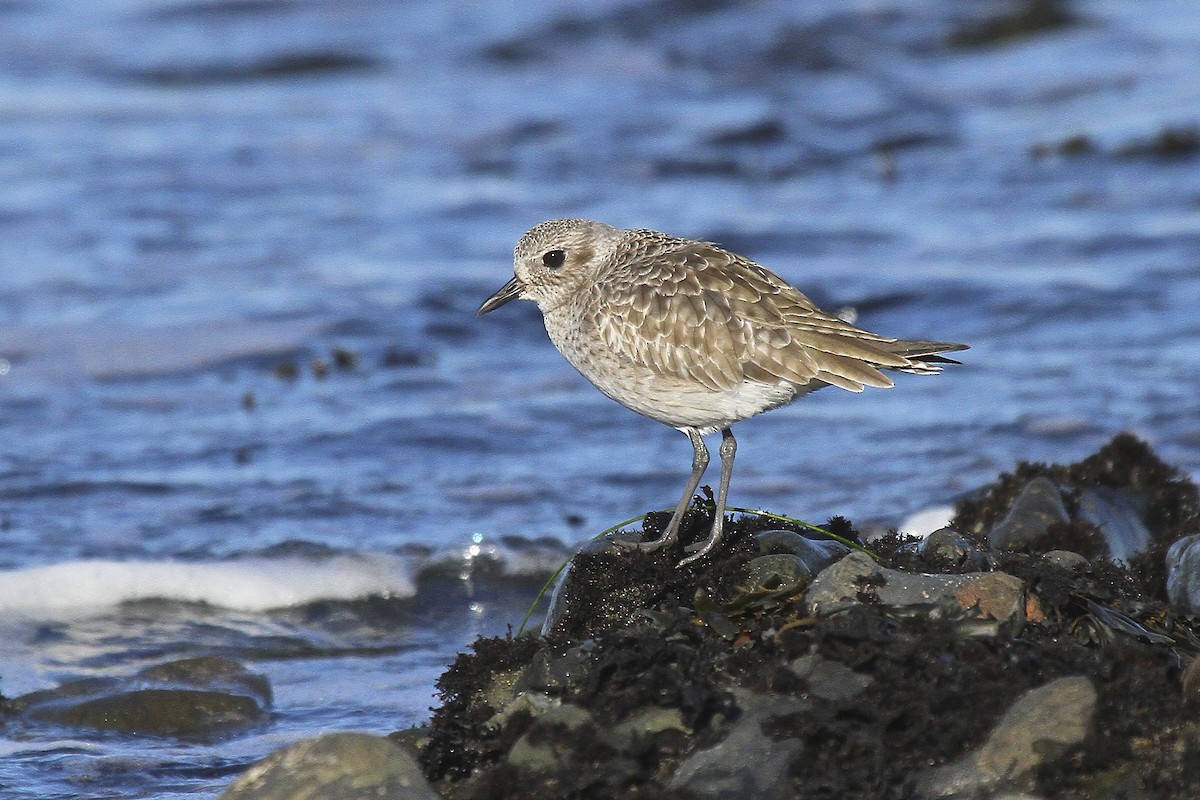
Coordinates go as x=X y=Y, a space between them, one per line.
x=281 y=577
x=90 y=587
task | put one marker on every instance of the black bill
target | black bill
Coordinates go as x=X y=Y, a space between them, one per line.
x=509 y=291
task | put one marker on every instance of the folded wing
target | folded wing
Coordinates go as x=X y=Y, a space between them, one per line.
x=694 y=310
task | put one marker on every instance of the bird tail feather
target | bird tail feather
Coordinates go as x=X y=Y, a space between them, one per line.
x=925 y=357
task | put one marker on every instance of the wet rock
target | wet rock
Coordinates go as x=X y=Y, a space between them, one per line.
x=211 y=672
x=1116 y=515
x=1190 y=683
x=945 y=543
x=535 y=751
x=336 y=766
x=994 y=599
x=1124 y=782
x=816 y=554
x=184 y=713
x=1183 y=575
x=645 y=723
x=533 y=704
x=190 y=698
x=747 y=762
x=551 y=672
x=533 y=756
x=411 y=740
x=725 y=696
x=1162 y=497
x=555 y=729
x=828 y=679
x=995 y=595
x=642 y=690
x=1037 y=507
x=548 y=710
x=782 y=574
x=841 y=586
x=947 y=547
x=1068 y=560
x=1039 y=727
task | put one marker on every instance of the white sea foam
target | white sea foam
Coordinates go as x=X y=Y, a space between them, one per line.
x=926 y=521
x=78 y=588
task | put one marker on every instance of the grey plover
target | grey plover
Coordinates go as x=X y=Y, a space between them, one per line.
x=692 y=335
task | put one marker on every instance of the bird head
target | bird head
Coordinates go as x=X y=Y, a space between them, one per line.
x=554 y=261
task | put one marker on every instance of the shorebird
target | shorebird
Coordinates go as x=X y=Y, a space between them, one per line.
x=694 y=336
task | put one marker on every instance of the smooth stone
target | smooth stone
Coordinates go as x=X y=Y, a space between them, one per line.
x=541 y=706
x=531 y=757
x=1068 y=560
x=411 y=740
x=160 y=712
x=829 y=679
x=1039 y=727
x=646 y=722
x=989 y=600
x=210 y=672
x=569 y=715
x=548 y=672
x=1122 y=782
x=1037 y=507
x=837 y=587
x=781 y=574
x=747 y=762
x=775 y=542
x=1118 y=519
x=67 y=689
x=1189 y=682
x=945 y=543
x=335 y=766
x=949 y=546
x=816 y=554
x=534 y=753
x=1183 y=574
x=995 y=595
x=189 y=698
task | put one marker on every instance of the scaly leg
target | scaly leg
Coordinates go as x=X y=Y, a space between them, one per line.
x=699 y=464
x=728 y=450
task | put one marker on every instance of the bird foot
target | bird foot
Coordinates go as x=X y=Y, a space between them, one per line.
x=700 y=550
x=648 y=547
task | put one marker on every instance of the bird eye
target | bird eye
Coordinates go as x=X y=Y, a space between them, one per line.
x=554 y=258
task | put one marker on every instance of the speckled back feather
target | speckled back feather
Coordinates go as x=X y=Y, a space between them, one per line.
x=693 y=310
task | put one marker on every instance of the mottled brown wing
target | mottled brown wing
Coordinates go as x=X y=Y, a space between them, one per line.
x=693 y=310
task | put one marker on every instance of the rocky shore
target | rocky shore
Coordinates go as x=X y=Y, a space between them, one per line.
x=1043 y=646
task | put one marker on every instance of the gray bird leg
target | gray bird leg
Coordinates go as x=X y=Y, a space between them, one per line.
x=699 y=464
x=728 y=451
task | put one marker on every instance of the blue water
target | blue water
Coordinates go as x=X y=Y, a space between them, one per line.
x=201 y=196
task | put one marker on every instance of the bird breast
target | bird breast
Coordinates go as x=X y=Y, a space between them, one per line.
x=669 y=398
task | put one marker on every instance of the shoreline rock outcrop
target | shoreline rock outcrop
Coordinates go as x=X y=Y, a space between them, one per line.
x=1031 y=650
